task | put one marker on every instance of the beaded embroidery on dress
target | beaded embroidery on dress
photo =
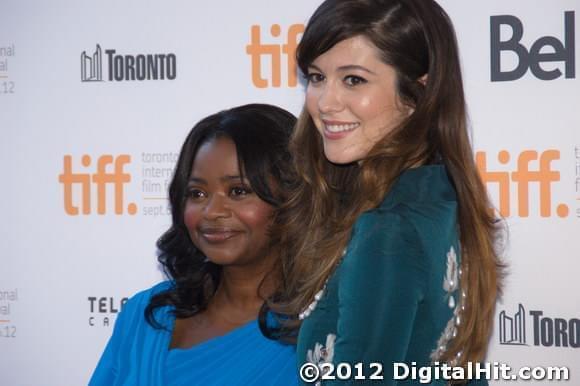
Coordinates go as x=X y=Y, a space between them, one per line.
x=322 y=354
x=451 y=285
x=312 y=306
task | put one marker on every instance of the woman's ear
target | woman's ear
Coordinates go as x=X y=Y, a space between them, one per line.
x=423 y=80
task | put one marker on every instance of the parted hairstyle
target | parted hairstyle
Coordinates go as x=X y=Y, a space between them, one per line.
x=417 y=39
x=260 y=133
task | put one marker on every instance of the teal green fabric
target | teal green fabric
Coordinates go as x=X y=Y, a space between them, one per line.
x=386 y=303
x=138 y=354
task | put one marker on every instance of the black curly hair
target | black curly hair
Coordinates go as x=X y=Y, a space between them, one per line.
x=260 y=133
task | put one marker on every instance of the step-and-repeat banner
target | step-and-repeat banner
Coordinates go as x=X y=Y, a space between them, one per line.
x=97 y=97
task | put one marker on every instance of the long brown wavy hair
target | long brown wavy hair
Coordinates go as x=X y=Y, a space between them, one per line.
x=416 y=38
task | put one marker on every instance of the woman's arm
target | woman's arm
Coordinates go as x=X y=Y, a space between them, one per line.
x=382 y=281
x=106 y=371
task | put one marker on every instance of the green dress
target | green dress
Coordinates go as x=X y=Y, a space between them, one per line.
x=395 y=296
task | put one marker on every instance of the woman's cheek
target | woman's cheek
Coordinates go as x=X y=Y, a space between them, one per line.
x=256 y=214
x=191 y=216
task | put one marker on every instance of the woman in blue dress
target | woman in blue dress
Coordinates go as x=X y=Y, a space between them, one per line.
x=389 y=236
x=200 y=327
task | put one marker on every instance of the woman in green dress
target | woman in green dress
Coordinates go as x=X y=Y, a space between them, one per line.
x=391 y=261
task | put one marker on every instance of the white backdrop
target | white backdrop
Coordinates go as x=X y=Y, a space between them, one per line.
x=65 y=268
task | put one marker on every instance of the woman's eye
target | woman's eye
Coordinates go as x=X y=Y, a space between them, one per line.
x=240 y=191
x=354 y=80
x=314 y=77
x=195 y=194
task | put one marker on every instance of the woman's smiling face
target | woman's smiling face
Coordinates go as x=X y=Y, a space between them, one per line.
x=352 y=99
x=226 y=220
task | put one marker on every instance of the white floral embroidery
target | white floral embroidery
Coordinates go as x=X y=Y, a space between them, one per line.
x=322 y=354
x=450 y=285
x=451 y=281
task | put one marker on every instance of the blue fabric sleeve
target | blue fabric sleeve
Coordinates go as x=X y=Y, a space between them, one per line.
x=118 y=347
x=107 y=369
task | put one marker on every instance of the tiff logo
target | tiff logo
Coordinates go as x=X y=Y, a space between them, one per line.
x=522 y=177
x=92 y=66
x=544 y=50
x=256 y=49
x=117 y=178
x=512 y=330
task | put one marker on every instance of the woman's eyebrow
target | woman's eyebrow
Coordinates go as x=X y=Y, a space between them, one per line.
x=314 y=67
x=350 y=67
x=199 y=180
x=346 y=67
x=229 y=178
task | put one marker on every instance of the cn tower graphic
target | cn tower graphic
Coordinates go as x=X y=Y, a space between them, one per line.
x=91 y=67
x=512 y=330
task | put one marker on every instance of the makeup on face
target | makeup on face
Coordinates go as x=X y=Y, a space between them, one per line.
x=226 y=220
x=352 y=99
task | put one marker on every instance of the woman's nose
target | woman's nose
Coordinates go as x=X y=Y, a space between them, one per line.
x=216 y=207
x=329 y=99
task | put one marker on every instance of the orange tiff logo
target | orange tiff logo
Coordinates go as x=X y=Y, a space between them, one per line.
x=117 y=177
x=256 y=49
x=543 y=175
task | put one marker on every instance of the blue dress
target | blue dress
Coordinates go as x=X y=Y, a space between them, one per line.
x=138 y=354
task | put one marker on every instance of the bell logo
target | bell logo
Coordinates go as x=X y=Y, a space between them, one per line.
x=118 y=178
x=555 y=51
x=522 y=177
x=256 y=49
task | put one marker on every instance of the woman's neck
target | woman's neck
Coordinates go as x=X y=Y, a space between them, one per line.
x=241 y=293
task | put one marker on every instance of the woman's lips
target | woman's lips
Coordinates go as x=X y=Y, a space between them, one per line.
x=337 y=129
x=218 y=235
